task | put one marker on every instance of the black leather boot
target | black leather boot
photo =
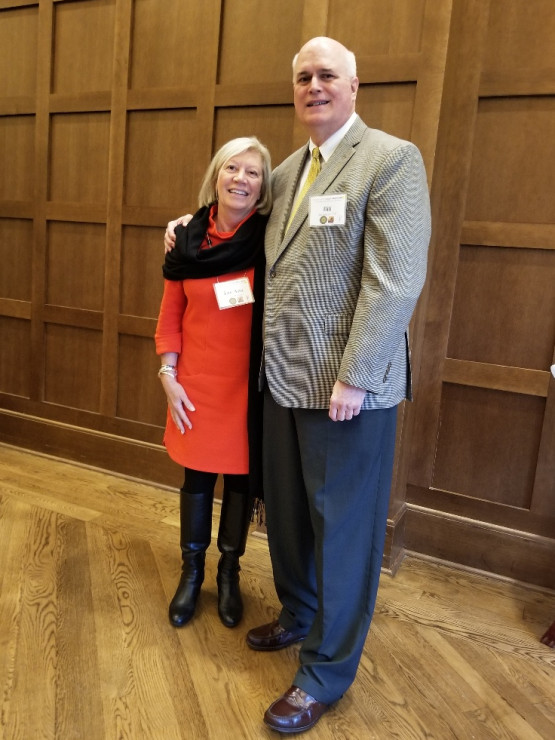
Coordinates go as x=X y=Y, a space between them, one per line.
x=196 y=531
x=232 y=539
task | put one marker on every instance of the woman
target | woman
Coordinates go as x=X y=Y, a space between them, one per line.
x=209 y=339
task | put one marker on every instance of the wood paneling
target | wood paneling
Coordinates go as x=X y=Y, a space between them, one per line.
x=18 y=48
x=73 y=369
x=512 y=177
x=488 y=444
x=168 y=48
x=109 y=113
x=158 y=166
x=392 y=28
x=83 y=52
x=484 y=448
x=263 y=60
x=16 y=238
x=500 y=295
x=17 y=147
x=75 y=251
x=79 y=157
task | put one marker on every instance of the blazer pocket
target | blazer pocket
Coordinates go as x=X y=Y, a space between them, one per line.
x=337 y=323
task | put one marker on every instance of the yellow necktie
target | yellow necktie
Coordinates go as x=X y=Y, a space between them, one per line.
x=312 y=174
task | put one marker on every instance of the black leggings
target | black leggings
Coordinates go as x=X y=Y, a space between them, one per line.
x=197 y=481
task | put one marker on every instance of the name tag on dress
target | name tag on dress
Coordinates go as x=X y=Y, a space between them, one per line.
x=328 y=210
x=233 y=293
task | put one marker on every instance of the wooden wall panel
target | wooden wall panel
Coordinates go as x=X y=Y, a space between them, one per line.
x=520 y=37
x=141 y=271
x=388 y=107
x=15 y=368
x=485 y=423
x=158 y=169
x=73 y=369
x=83 y=52
x=512 y=177
x=488 y=443
x=272 y=124
x=135 y=398
x=109 y=113
x=500 y=294
x=17 y=175
x=168 y=48
x=79 y=155
x=16 y=237
x=18 y=47
x=75 y=265
x=382 y=28
x=264 y=60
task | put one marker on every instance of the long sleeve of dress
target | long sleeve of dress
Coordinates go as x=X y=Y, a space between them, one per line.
x=168 y=336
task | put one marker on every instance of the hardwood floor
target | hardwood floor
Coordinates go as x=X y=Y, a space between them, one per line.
x=89 y=561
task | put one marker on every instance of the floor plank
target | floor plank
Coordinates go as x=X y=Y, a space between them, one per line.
x=89 y=562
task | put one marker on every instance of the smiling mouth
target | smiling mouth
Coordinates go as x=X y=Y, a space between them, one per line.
x=317 y=103
x=238 y=192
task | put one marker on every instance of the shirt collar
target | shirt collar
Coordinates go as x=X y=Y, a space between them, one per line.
x=330 y=144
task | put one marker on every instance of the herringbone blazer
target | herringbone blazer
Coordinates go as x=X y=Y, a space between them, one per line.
x=339 y=298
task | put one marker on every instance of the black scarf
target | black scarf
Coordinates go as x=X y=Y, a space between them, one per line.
x=245 y=249
x=188 y=260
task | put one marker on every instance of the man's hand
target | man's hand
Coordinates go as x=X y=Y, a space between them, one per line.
x=345 y=402
x=169 y=236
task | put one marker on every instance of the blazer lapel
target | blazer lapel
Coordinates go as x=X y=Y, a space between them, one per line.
x=330 y=171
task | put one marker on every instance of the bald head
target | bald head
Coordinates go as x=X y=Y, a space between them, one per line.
x=323 y=44
x=325 y=86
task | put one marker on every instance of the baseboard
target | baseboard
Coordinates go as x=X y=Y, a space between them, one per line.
x=120 y=455
x=481 y=546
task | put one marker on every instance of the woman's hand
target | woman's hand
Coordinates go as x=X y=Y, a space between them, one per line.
x=169 y=236
x=178 y=402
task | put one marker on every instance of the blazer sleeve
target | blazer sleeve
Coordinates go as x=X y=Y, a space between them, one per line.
x=395 y=244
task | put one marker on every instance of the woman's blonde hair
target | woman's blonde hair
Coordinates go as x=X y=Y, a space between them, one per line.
x=208 y=193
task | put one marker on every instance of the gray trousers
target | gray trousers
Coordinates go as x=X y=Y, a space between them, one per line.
x=327 y=488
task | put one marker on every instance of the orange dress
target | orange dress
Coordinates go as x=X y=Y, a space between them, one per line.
x=213 y=367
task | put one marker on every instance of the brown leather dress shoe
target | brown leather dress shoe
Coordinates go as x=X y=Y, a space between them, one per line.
x=272 y=636
x=295 y=711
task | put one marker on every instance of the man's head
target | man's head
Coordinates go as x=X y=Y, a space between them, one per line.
x=325 y=86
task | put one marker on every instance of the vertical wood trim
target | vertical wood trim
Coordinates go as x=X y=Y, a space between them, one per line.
x=425 y=123
x=206 y=98
x=543 y=492
x=314 y=23
x=431 y=76
x=116 y=168
x=468 y=30
x=42 y=147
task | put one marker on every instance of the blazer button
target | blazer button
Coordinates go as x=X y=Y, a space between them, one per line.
x=272 y=272
x=388 y=368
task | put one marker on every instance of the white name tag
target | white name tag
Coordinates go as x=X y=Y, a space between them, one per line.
x=328 y=210
x=233 y=293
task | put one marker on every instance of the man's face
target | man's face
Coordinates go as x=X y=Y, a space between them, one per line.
x=324 y=91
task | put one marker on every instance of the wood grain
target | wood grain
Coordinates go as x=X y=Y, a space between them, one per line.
x=89 y=561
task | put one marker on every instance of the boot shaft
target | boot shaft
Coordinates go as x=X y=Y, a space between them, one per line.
x=196 y=522
x=234 y=525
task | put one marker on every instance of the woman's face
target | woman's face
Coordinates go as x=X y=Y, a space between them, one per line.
x=239 y=184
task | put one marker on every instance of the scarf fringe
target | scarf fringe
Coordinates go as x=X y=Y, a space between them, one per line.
x=258 y=513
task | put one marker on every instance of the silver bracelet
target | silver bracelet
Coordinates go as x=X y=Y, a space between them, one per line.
x=167 y=370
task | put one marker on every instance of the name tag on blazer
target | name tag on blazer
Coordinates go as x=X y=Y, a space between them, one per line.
x=327 y=210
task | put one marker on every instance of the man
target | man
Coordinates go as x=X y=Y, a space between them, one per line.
x=342 y=281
